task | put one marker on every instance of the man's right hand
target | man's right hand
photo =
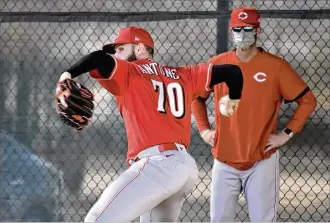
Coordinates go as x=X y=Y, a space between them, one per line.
x=208 y=136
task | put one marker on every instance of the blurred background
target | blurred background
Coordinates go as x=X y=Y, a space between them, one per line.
x=49 y=172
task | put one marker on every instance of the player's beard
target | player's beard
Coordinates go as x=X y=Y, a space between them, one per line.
x=243 y=40
x=132 y=56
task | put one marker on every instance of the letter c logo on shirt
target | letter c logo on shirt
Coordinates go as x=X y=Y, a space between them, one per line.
x=260 y=77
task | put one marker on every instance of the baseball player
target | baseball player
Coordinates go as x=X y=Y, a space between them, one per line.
x=155 y=103
x=245 y=145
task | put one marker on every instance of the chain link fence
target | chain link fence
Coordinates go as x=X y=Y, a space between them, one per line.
x=49 y=172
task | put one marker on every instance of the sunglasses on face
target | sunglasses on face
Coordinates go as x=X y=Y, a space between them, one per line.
x=245 y=28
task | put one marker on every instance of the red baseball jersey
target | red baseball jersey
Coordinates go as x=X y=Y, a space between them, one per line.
x=155 y=100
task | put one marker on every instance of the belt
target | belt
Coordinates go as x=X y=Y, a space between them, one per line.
x=161 y=148
x=167 y=146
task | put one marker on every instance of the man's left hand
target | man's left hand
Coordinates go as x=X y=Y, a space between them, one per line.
x=276 y=140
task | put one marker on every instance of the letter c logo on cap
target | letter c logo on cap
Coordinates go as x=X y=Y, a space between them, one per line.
x=242 y=15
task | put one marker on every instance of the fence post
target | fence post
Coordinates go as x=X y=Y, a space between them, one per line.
x=222 y=26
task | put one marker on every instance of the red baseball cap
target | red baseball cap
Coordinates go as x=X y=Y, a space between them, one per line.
x=131 y=34
x=245 y=16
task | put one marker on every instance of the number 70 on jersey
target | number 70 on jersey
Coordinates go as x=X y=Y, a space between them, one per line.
x=175 y=95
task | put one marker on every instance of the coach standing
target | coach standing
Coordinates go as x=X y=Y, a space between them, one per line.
x=245 y=145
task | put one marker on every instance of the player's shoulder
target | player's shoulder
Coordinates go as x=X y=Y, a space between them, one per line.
x=145 y=66
x=222 y=57
x=193 y=69
x=139 y=62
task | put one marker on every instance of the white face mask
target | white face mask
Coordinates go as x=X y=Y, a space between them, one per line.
x=243 y=40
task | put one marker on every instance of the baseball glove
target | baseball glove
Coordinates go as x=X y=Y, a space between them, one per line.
x=74 y=103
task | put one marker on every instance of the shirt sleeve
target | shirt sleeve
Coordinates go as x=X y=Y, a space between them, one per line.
x=291 y=85
x=306 y=106
x=211 y=60
x=199 y=110
x=200 y=78
x=117 y=83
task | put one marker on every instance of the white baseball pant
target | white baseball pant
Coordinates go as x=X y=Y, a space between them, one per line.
x=260 y=185
x=155 y=186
